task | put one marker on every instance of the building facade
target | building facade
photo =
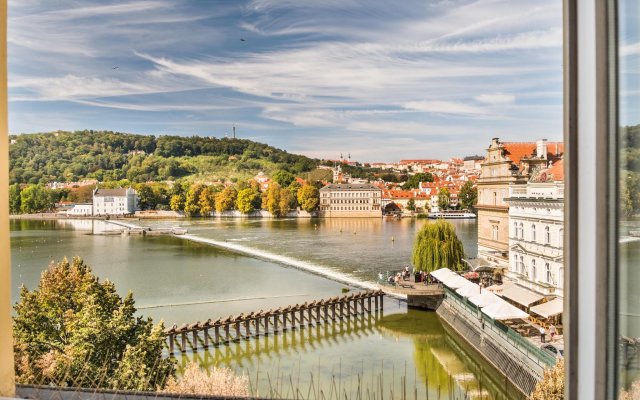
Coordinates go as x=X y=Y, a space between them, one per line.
x=536 y=218
x=506 y=164
x=114 y=201
x=350 y=200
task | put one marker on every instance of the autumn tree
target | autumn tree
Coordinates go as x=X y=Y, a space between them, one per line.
x=207 y=200
x=177 y=202
x=226 y=199
x=308 y=197
x=444 y=198
x=287 y=202
x=437 y=246
x=192 y=200
x=73 y=330
x=273 y=199
x=468 y=195
x=551 y=387
x=248 y=200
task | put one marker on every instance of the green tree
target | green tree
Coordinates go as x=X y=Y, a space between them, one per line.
x=437 y=246
x=411 y=205
x=444 y=198
x=468 y=195
x=14 y=199
x=414 y=180
x=73 y=330
x=226 y=200
x=283 y=178
x=308 y=197
x=146 y=197
x=35 y=198
x=247 y=200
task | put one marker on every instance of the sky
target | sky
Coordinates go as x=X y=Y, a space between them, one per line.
x=382 y=80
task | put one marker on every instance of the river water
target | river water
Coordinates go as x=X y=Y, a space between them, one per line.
x=262 y=264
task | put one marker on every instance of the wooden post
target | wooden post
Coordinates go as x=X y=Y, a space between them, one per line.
x=309 y=315
x=302 y=309
x=256 y=322
x=293 y=317
x=247 y=329
x=381 y=301
x=184 y=342
x=266 y=323
x=171 y=338
x=341 y=309
x=216 y=333
x=362 y=310
x=206 y=338
x=275 y=321
x=318 y=310
x=348 y=308
x=375 y=298
x=333 y=310
x=369 y=303
x=285 y=311
x=238 y=335
x=226 y=332
x=195 y=340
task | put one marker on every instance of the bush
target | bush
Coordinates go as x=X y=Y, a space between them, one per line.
x=219 y=382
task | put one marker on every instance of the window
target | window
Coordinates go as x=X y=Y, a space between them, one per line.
x=547 y=235
x=515 y=229
x=521 y=265
x=533 y=232
x=533 y=270
x=521 y=233
x=547 y=269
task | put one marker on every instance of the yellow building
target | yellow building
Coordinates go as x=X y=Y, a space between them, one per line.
x=506 y=163
x=350 y=200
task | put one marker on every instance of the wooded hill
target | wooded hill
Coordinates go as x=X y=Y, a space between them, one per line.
x=109 y=156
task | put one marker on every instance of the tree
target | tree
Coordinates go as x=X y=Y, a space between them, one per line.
x=437 y=246
x=308 y=197
x=73 y=330
x=287 y=202
x=411 y=205
x=468 y=195
x=444 y=198
x=35 y=198
x=207 y=200
x=414 y=180
x=273 y=199
x=177 y=202
x=146 y=197
x=192 y=200
x=283 y=178
x=14 y=199
x=226 y=200
x=247 y=200
x=551 y=387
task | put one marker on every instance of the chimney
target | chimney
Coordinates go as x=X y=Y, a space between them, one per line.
x=495 y=141
x=541 y=148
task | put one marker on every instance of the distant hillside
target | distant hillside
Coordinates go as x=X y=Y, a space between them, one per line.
x=105 y=155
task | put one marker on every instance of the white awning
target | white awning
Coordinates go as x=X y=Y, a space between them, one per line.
x=442 y=273
x=549 y=309
x=450 y=279
x=469 y=290
x=484 y=299
x=497 y=289
x=521 y=295
x=502 y=310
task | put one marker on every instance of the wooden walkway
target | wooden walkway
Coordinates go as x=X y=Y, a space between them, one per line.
x=264 y=323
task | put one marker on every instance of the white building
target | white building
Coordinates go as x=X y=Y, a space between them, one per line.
x=350 y=200
x=114 y=201
x=536 y=224
x=81 y=210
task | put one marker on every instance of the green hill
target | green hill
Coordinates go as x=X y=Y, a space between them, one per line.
x=109 y=156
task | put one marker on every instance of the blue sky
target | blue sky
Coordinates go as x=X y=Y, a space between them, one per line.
x=380 y=79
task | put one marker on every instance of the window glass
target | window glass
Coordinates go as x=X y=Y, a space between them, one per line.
x=628 y=62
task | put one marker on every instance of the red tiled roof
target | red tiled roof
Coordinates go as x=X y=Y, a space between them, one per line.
x=557 y=170
x=517 y=150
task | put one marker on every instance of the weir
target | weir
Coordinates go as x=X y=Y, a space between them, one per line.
x=265 y=323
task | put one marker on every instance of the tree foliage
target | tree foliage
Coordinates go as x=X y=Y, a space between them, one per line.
x=308 y=198
x=551 y=387
x=15 y=200
x=248 y=200
x=468 y=195
x=283 y=178
x=444 y=199
x=73 y=330
x=437 y=246
x=226 y=199
x=414 y=180
x=411 y=205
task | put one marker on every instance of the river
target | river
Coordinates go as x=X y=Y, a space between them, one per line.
x=178 y=280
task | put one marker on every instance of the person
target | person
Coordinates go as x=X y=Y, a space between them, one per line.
x=543 y=333
x=552 y=331
x=380 y=277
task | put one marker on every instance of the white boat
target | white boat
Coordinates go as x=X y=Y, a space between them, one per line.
x=452 y=215
x=178 y=230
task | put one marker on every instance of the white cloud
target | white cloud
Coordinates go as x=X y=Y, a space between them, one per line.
x=496 y=98
x=444 y=107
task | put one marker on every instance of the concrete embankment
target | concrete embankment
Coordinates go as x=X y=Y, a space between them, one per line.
x=519 y=361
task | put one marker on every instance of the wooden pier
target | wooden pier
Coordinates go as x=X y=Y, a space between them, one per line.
x=264 y=323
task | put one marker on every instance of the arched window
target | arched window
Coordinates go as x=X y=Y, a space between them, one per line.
x=533 y=270
x=521 y=265
x=515 y=229
x=547 y=269
x=515 y=263
x=547 y=235
x=521 y=234
x=533 y=232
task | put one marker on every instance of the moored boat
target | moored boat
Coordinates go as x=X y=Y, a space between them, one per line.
x=452 y=215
